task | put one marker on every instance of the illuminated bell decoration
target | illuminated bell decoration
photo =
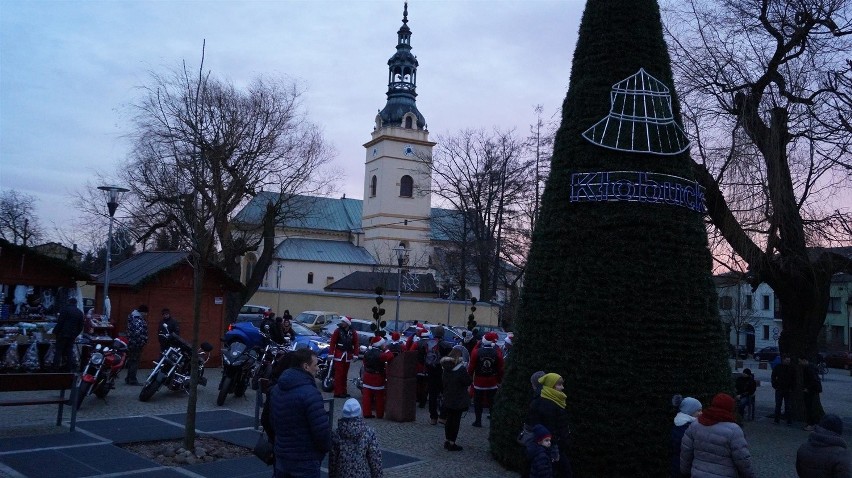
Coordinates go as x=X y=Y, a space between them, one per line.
x=640 y=119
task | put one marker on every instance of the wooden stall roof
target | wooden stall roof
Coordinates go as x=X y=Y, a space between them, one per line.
x=24 y=265
x=141 y=268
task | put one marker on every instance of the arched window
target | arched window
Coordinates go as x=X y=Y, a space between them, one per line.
x=373 y=187
x=408 y=123
x=310 y=277
x=406 y=186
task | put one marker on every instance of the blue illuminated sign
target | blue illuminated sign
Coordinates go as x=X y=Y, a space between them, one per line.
x=637 y=186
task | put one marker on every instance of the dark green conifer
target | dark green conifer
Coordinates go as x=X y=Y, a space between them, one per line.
x=618 y=295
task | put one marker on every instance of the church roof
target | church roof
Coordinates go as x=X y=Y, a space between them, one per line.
x=318 y=250
x=307 y=212
x=336 y=214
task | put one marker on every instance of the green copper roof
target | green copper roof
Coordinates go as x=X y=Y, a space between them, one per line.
x=318 y=250
x=336 y=214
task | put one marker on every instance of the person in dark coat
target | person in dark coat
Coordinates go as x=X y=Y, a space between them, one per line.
x=746 y=388
x=539 y=453
x=812 y=387
x=456 y=381
x=137 y=336
x=783 y=381
x=168 y=326
x=688 y=410
x=68 y=327
x=825 y=455
x=299 y=419
x=548 y=409
x=436 y=348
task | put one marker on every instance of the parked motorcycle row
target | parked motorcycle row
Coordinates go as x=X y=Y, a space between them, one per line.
x=249 y=357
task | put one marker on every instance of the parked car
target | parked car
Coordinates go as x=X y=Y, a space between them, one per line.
x=249 y=334
x=364 y=330
x=767 y=354
x=838 y=359
x=330 y=326
x=254 y=314
x=450 y=334
x=316 y=319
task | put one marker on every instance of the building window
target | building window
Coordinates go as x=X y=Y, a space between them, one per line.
x=765 y=302
x=251 y=261
x=834 y=305
x=406 y=186
x=408 y=122
x=748 y=304
x=836 y=334
x=726 y=302
x=373 y=187
x=329 y=280
x=765 y=332
x=310 y=277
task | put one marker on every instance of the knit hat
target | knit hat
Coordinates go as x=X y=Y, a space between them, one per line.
x=422 y=332
x=345 y=320
x=534 y=378
x=351 y=408
x=395 y=336
x=832 y=423
x=438 y=332
x=549 y=379
x=540 y=433
x=377 y=342
x=689 y=406
x=723 y=401
x=490 y=338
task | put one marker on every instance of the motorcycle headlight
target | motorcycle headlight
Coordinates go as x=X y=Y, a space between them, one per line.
x=97 y=358
x=173 y=355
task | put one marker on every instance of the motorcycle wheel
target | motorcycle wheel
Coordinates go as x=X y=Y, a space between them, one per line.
x=240 y=388
x=328 y=382
x=102 y=389
x=82 y=392
x=150 y=389
x=223 y=392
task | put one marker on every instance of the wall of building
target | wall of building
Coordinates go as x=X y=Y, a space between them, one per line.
x=294 y=275
x=839 y=315
x=361 y=305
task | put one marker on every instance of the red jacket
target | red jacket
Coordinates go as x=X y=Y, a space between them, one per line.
x=486 y=379
x=376 y=380
x=345 y=348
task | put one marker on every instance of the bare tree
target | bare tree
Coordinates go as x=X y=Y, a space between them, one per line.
x=754 y=78
x=483 y=177
x=18 y=221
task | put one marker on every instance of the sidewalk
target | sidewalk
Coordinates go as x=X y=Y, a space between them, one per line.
x=413 y=449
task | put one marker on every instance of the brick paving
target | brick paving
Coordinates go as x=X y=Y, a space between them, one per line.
x=773 y=446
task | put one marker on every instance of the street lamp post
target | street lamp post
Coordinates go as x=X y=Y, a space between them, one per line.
x=400 y=257
x=450 y=293
x=113 y=195
x=848 y=320
x=278 y=287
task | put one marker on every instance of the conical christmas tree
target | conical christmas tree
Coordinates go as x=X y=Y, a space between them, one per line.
x=618 y=294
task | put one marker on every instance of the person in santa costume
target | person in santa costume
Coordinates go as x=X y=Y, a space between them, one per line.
x=396 y=345
x=421 y=335
x=376 y=359
x=486 y=368
x=344 y=343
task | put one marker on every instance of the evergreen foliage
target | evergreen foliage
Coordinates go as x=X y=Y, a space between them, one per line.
x=618 y=296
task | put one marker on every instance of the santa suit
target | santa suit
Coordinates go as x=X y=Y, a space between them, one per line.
x=422 y=376
x=344 y=343
x=375 y=377
x=485 y=381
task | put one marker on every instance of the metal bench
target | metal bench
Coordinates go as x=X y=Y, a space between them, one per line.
x=30 y=382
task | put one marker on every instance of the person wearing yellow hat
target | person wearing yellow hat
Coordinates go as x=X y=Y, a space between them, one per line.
x=548 y=409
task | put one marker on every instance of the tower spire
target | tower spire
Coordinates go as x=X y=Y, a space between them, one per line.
x=401 y=109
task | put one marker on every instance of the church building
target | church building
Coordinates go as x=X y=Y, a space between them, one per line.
x=332 y=244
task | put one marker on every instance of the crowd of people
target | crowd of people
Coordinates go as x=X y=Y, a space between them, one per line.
x=705 y=442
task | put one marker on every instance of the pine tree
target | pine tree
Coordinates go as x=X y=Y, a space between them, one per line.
x=618 y=295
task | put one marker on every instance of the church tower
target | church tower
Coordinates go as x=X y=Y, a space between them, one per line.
x=397 y=172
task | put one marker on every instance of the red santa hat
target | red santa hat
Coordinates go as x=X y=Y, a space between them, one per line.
x=345 y=320
x=395 y=336
x=422 y=331
x=377 y=342
x=490 y=338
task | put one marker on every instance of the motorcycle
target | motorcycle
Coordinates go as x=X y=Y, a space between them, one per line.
x=102 y=369
x=325 y=373
x=173 y=369
x=272 y=355
x=237 y=366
